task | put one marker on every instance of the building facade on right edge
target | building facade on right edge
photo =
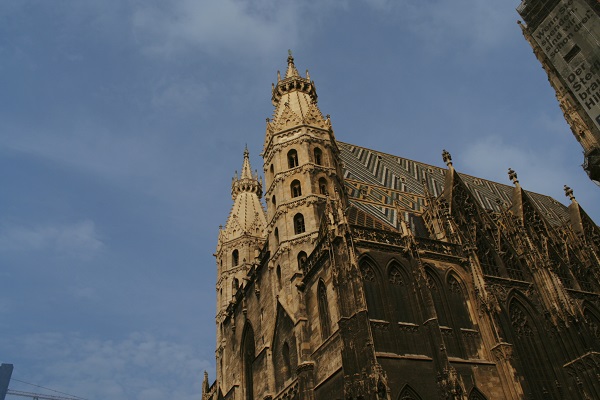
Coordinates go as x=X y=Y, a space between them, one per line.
x=565 y=37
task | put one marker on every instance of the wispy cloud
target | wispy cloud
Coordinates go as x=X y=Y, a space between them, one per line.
x=140 y=366
x=211 y=26
x=78 y=239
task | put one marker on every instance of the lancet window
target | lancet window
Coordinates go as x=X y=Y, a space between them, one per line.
x=318 y=156
x=292 y=158
x=301 y=260
x=400 y=291
x=235 y=258
x=295 y=188
x=248 y=355
x=298 y=224
x=323 y=310
x=372 y=291
x=323 y=186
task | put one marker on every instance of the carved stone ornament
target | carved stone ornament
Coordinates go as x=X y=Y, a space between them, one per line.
x=503 y=351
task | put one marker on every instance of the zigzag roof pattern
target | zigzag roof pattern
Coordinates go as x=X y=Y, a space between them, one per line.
x=386 y=186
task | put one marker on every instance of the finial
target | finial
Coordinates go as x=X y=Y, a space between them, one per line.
x=246 y=152
x=512 y=175
x=447 y=158
x=569 y=193
x=307 y=75
x=278 y=76
x=290 y=59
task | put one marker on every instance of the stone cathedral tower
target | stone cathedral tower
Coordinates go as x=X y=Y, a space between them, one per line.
x=371 y=276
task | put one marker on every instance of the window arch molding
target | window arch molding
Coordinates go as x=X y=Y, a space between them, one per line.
x=299 y=226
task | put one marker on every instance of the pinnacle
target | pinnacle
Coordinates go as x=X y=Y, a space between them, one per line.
x=291 y=69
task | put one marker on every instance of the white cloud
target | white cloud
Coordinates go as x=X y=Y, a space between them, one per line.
x=78 y=239
x=215 y=26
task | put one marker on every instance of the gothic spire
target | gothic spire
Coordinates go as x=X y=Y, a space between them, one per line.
x=247 y=216
x=295 y=100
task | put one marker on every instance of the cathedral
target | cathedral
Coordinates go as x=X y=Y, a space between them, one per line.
x=354 y=274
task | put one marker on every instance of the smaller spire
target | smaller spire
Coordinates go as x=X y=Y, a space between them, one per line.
x=569 y=194
x=291 y=69
x=512 y=175
x=447 y=158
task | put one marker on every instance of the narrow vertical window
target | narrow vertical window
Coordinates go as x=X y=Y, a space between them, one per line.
x=298 y=223
x=235 y=258
x=372 y=291
x=323 y=310
x=295 y=188
x=323 y=186
x=278 y=277
x=292 y=158
x=248 y=355
x=276 y=234
x=287 y=364
x=301 y=260
x=318 y=156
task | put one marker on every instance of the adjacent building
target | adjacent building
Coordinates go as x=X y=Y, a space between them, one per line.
x=565 y=37
x=371 y=276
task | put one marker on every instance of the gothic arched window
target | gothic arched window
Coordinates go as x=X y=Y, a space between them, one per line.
x=248 y=355
x=278 y=277
x=372 y=291
x=276 y=234
x=295 y=188
x=318 y=156
x=401 y=294
x=408 y=393
x=235 y=258
x=301 y=260
x=323 y=186
x=437 y=297
x=457 y=303
x=298 y=223
x=534 y=361
x=292 y=158
x=273 y=200
x=287 y=364
x=323 y=310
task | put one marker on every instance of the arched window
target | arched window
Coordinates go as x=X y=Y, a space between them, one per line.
x=534 y=361
x=276 y=234
x=401 y=294
x=457 y=303
x=248 y=355
x=323 y=186
x=235 y=258
x=408 y=393
x=298 y=223
x=292 y=158
x=296 y=189
x=372 y=291
x=279 y=277
x=301 y=260
x=476 y=395
x=287 y=364
x=323 y=310
x=437 y=296
x=318 y=156
x=235 y=284
x=272 y=169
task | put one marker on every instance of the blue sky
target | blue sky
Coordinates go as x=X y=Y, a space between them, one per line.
x=122 y=123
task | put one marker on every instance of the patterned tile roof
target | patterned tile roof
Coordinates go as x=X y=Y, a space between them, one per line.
x=384 y=185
